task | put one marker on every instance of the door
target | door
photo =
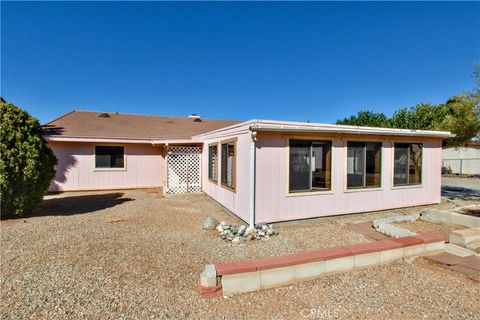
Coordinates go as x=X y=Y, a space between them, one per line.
x=183 y=169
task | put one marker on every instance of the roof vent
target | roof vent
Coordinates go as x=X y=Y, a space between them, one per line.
x=104 y=115
x=196 y=117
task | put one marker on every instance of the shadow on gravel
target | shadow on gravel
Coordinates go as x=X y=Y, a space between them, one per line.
x=459 y=192
x=67 y=206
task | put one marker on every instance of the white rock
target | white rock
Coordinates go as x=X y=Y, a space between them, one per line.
x=210 y=223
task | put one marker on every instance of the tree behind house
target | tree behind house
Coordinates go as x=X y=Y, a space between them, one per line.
x=459 y=115
x=26 y=162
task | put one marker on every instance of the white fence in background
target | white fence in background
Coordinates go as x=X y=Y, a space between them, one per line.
x=462 y=166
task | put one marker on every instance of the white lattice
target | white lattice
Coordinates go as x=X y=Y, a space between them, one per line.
x=183 y=169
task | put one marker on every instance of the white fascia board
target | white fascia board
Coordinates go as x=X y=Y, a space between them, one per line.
x=313 y=127
x=233 y=129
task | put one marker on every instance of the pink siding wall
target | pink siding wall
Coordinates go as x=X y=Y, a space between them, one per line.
x=145 y=167
x=238 y=201
x=272 y=203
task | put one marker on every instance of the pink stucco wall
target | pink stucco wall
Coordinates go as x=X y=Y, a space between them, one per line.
x=273 y=204
x=145 y=167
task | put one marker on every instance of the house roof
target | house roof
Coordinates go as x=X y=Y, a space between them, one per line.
x=106 y=125
x=132 y=128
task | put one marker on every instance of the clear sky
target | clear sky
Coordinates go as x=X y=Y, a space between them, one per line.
x=285 y=61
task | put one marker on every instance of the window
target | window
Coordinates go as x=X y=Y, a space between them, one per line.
x=363 y=164
x=407 y=164
x=309 y=165
x=213 y=163
x=228 y=165
x=108 y=157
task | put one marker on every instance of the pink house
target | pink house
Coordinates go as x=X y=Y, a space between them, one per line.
x=261 y=171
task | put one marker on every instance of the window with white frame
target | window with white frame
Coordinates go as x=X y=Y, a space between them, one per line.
x=309 y=165
x=407 y=164
x=109 y=157
x=364 y=164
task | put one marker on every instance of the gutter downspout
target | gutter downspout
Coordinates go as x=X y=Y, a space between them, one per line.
x=252 y=179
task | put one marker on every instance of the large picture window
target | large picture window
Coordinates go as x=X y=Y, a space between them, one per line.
x=309 y=165
x=363 y=164
x=228 y=165
x=109 y=157
x=407 y=164
x=213 y=163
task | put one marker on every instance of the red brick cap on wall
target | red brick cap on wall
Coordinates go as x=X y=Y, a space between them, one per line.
x=227 y=268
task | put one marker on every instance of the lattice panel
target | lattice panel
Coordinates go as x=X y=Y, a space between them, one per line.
x=183 y=169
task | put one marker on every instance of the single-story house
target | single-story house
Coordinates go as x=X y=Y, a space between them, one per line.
x=462 y=160
x=260 y=170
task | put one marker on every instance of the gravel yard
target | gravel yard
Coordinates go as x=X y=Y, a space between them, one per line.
x=424 y=226
x=132 y=255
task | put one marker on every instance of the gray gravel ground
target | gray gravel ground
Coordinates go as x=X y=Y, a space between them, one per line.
x=131 y=255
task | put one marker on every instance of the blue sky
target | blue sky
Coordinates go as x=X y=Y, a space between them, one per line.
x=287 y=61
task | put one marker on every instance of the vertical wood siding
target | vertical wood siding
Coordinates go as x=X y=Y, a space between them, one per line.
x=238 y=201
x=145 y=167
x=272 y=203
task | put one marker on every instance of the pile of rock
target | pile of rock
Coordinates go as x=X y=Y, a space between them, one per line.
x=239 y=234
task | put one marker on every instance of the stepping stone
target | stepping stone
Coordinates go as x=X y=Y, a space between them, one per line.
x=473 y=263
x=366 y=229
x=466 y=271
x=446 y=258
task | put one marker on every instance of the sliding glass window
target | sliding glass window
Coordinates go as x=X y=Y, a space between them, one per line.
x=407 y=164
x=364 y=164
x=309 y=165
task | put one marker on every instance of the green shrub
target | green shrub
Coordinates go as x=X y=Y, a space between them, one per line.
x=26 y=162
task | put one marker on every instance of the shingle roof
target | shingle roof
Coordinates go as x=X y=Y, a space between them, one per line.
x=89 y=124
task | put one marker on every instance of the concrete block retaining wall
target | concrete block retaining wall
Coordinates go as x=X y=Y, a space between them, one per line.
x=465 y=236
x=449 y=217
x=252 y=275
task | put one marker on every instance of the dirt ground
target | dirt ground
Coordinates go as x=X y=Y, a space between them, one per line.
x=129 y=254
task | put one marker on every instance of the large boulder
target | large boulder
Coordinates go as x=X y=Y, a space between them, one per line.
x=210 y=223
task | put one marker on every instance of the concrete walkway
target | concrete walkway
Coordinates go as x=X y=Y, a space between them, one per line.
x=461 y=187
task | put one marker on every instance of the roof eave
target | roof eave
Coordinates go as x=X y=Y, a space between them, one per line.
x=357 y=131
x=96 y=140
